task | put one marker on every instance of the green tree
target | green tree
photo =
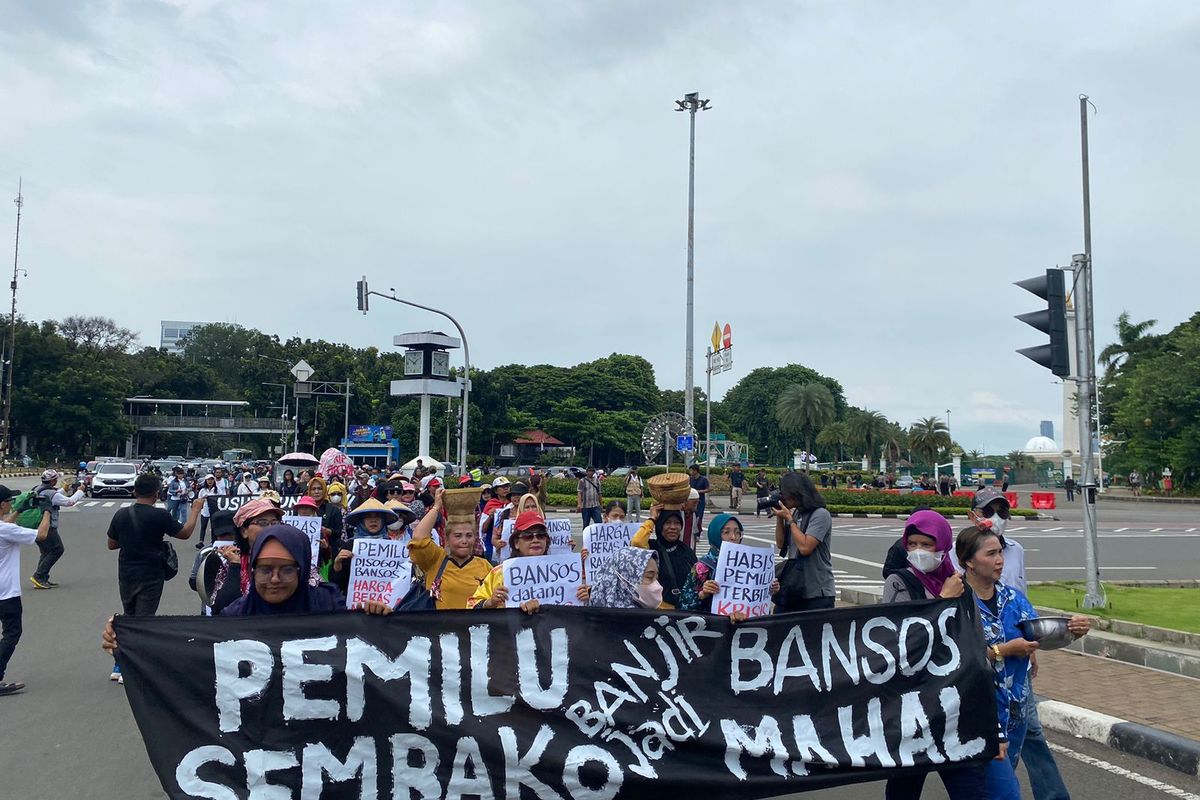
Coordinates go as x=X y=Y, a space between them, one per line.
x=868 y=429
x=805 y=408
x=1130 y=339
x=928 y=437
x=749 y=407
x=834 y=437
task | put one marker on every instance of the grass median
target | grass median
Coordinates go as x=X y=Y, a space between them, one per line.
x=1178 y=609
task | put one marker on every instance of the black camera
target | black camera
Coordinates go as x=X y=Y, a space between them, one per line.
x=770 y=501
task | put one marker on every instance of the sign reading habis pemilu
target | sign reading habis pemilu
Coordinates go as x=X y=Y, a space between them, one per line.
x=550 y=579
x=379 y=572
x=744 y=575
x=567 y=703
x=602 y=540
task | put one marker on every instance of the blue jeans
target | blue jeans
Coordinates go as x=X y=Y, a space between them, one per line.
x=962 y=783
x=1044 y=778
x=1001 y=775
x=590 y=515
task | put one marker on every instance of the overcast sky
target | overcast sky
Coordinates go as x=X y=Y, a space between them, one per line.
x=869 y=182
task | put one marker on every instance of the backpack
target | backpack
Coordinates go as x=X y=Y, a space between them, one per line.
x=28 y=508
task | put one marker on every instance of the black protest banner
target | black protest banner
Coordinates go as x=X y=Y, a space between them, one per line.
x=569 y=703
x=234 y=502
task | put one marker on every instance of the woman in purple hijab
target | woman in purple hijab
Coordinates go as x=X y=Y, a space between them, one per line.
x=927 y=541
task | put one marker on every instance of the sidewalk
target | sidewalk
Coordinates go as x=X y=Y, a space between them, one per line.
x=1159 y=700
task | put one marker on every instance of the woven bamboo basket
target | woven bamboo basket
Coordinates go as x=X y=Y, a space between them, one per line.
x=669 y=489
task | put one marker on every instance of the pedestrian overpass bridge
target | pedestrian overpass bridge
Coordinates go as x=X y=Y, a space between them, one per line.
x=199 y=416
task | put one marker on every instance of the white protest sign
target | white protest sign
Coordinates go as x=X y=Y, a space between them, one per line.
x=312 y=529
x=561 y=540
x=379 y=571
x=602 y=540
x=552 y=580
x=745 y=575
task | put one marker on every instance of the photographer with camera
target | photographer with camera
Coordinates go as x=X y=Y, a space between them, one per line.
x=803 y=528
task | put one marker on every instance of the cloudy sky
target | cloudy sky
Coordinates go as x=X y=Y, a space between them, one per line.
x=870 y=180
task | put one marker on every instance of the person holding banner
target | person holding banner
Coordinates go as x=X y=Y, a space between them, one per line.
x=929 y=572
x=369 y=520
x=251 y=519
x=675 y=558
x=529 y=538
x=628 y=580
x=451 y=574
x=700 y=588
x=520 y=504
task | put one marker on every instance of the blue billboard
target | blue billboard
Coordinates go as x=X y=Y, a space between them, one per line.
x=369 y=433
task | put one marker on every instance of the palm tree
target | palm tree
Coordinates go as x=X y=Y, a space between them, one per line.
x=868 y=427
x=1129 y=336
x=804 y=408
x=928 y=437
x=835 y=435
x=895 y=442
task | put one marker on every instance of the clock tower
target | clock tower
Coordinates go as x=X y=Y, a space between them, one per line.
x=426 y=375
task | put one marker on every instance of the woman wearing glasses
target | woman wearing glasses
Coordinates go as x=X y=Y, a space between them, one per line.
x=529 y=538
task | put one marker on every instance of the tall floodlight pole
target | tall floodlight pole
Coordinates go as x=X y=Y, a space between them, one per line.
x=6 y=435
x=1086 y=379
x=690 y=103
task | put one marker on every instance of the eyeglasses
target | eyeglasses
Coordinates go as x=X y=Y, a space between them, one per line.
x=285 y=572
x=395 y=491
x=264 y=521
x=532 y=535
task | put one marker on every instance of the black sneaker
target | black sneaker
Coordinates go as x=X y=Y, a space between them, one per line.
x=49 y=583
x=199 y=545
x=10 y=688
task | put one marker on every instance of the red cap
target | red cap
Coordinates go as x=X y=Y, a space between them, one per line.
x=307 y=502
x=464 y=480
x=529 y=519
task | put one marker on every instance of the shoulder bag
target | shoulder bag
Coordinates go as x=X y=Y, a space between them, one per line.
x=789 y=573
x=418 y=597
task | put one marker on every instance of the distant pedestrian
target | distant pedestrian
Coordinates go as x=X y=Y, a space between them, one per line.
x=700 y=484
x=588 y=497
x=944 y=485
x=178 y=491
x=12 y=536
x=737 y=479
x=824 y=481
x=634 y=491
x=762 y=488
x=51 y=545
x=1168 y=483
x=1135 y=483
x=1069 y=485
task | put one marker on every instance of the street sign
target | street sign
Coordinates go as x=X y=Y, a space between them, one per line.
x=716 y=337
x=685 y=444
x=727 y=359
x=302 y=371
x=727 y=338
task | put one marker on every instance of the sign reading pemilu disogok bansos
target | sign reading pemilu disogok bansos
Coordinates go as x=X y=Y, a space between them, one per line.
x=567 y=703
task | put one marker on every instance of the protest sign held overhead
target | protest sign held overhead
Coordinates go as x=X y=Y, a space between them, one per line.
x=561 y=540
x=602 y=540
x=311 y=526
x=379 y=572
x=745 y=575
x=567 y=703
x=551 y=580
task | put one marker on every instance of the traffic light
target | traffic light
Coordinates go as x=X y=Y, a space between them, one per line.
x=363 y=302
x=1052 y=320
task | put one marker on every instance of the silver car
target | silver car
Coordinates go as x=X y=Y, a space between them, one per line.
x=114 y=479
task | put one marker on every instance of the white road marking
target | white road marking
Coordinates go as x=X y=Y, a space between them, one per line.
x=1118 y=530
x=1165 y=788
x=1051 y=529
x=91 y=503
x=1080 y=567
x=862 y=561
x=109 y=504
x=128 y=504
x=1155 y=530
x=1189 y=530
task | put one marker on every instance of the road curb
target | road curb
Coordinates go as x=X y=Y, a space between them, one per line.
x=1168 y=749
x=901 y=515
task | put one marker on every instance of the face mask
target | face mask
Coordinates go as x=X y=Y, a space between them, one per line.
x=925 y=560
x=998 y=524
x=648 y=596
x=337 y=498
x=396 y=526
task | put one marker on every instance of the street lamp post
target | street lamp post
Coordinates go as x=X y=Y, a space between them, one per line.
x=364 y=293
x=283 y=415
x=690 y=103
x=295 y=422
x=6 y=434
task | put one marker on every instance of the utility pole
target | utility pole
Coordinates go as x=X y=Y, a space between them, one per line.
x=690 y=103
x=1086 y=379
x=6 y=434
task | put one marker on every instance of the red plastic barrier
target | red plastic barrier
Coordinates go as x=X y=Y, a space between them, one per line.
x=964 y=492
x=1012 y=499
x=891 y=491
x=922 y=491
x=1042 y=500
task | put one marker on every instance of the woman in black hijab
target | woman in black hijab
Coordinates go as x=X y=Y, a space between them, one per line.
x=675 y=558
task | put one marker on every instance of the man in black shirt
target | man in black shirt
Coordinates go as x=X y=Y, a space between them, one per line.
x=138 y=531
x=736 y=480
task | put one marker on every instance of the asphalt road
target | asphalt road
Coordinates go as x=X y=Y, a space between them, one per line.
x=71 y=734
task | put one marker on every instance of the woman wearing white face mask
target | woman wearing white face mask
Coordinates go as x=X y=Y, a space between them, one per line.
x=628 y=580
x=928 y=542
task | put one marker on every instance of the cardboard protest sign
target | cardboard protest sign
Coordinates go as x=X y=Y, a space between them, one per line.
x=745 y=575
x=602 y=540
x=233 y=503
x=561 y=540
x=552 y=579
x=379 y=571
x=567 y=703
x=312 y=529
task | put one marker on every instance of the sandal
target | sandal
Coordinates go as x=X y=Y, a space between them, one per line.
x=11 y=688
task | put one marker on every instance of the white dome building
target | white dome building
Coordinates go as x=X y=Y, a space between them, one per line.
x=1042 y=448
